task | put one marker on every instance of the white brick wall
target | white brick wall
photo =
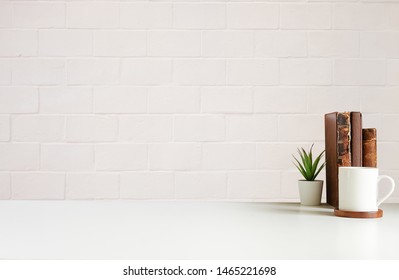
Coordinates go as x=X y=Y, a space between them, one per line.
x=219 y=43
x=147 y=185
x=278 y=156
x=252 y=128
x=386 y=133
x=379 y=44
x=306 y=16
x=5 y=186
x=120 y=43
x=61 y=42
x=290 y=128
x=18 y=43
x=221 y=156
x=199 y=15
x=379 y=99
x=102 y=71
x=118 y=100
x=38 y=185
x=174 y=100
x=252 y=16
x=392 y=10
x=280 y=100
x=252 y=72
x=67 y=157
x=227 y=100
x=289 y=189
x=365 y=72
x=186 y=99
x=145 y=129
x=4 y=128
x=146 y=71
x=258 y=184
x=280 y=44
x=5 y=72
x=175 y=156
x=38 y=71
x=329 y=99
x=199 y=72
x=146 y=15
x=305 y=72
x=174 y=43
x=19 y=156
x=92 y=186
x=359 y=16
x=16 y=100
x=393 y=72
x=91 y=129
x=196 y=185
x=199 y=128
x=333 y=43
x=66 y=100
x=39 y=15
x=92 y=15
x=117 y=157
x=6 y=10
x=387 y=154
x=38 y=128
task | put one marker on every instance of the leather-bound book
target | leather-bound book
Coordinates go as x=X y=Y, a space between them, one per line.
x=370 y=147
x=344 y=157
x=356 y=139
x=338 y=150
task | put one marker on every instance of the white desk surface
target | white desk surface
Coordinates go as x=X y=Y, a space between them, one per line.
x=191 y=230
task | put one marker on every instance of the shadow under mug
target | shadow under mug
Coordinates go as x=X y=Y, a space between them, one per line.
x=358 y=189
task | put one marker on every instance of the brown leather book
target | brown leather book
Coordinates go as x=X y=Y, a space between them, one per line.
x=344 y=157
x=370 y=147
x=338 y=150
x=356 y=138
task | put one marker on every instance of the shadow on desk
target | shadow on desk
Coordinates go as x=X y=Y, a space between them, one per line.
x=296 y=208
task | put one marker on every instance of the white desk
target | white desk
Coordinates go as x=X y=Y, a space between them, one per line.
x=191 y=230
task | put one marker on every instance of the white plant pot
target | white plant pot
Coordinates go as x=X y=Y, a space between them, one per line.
x=310 y=192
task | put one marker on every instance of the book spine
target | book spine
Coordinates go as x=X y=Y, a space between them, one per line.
x=330 y=127
x=356 y=138
x=344 y=139
x=369 y=147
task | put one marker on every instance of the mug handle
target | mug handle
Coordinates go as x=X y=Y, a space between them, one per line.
x=381 y=200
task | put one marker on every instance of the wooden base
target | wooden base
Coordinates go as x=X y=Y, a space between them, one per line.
x=351 y=214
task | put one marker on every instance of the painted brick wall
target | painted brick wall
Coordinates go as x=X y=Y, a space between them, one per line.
x=186 y=99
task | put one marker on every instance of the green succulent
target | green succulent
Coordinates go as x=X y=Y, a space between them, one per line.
x=309 y=168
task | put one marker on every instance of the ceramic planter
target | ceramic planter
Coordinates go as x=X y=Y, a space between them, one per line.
x=310 y=192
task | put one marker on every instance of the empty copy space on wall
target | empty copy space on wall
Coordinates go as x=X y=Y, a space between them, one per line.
x=201 y=100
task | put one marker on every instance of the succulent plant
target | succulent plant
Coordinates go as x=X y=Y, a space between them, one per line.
x=308 y=167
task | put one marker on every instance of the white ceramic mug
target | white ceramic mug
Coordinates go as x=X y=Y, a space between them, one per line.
x=358 y=189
